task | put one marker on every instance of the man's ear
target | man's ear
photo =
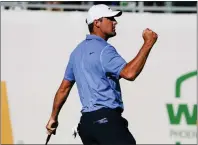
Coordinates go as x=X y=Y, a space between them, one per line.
x=97 y=23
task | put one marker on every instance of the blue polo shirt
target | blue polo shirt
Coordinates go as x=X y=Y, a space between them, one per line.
x=95 y=66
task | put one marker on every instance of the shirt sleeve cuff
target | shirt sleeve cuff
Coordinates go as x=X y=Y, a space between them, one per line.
x=69 y=79
x=122 y=66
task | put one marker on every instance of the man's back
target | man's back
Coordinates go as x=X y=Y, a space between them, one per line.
x=98 y=87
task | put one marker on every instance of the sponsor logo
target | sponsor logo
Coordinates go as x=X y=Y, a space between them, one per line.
x=182 y=116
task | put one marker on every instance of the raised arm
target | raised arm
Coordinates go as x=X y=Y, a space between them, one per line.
x=135 y=66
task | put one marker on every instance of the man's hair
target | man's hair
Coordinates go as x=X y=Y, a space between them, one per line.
x=91 y=26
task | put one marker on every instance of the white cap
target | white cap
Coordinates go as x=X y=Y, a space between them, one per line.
x=99 y=11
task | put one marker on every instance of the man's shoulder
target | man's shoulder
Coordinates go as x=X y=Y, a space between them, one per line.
x=79 y=45
x=97 y=43
x=92 y=44
x=109 y=47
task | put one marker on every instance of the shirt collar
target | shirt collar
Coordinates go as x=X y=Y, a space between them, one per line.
x=91 y=36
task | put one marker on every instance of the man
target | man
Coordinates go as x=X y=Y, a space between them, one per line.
x=96 y=67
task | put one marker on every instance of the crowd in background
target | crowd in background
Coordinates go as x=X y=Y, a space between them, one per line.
x=109 y=3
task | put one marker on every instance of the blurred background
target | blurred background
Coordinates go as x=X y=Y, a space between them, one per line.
x=37 y=38
x=128 y=6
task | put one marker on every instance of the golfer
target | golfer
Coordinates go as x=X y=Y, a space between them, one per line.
x=97 y=67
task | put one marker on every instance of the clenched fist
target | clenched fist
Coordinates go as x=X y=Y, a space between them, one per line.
x=149 y=36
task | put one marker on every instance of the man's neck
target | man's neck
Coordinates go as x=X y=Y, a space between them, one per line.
x=100 y=35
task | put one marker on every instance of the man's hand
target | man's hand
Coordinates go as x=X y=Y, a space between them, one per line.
x=52 y=126
x=135 y=66
x=150 y=37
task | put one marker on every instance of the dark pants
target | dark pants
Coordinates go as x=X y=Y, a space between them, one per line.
x=105 y=127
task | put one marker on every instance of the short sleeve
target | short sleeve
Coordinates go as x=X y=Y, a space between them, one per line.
x=111 y=61
x=69 y=74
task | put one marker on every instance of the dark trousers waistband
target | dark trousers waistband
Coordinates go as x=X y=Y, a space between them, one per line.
x=118 y=110
x=100 y=113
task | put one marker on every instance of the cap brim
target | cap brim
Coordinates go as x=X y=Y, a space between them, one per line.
x=114 y=14
x=111 y=14
x=118 y=13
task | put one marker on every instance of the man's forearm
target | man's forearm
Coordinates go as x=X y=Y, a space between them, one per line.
x=135 y=66
x=60 y=98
